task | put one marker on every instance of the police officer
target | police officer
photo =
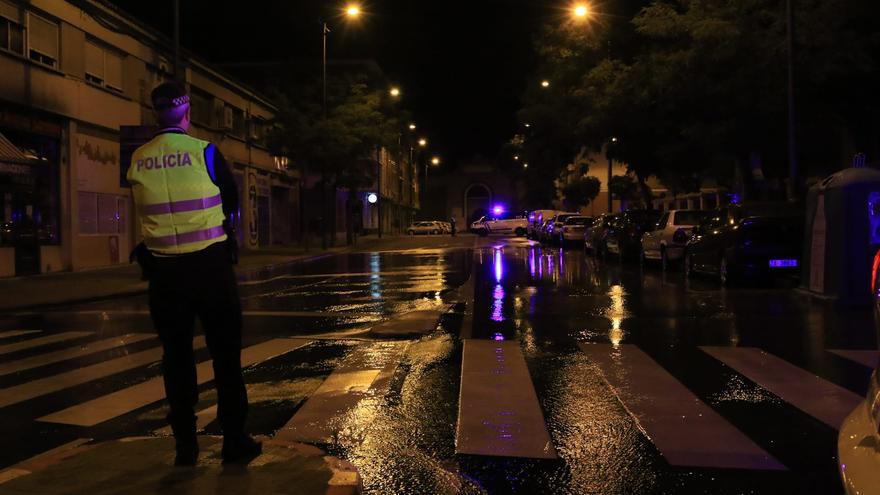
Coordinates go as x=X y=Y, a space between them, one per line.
x=184 y=192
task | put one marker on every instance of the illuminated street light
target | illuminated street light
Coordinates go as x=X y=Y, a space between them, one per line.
x=435 y=161
x=395 y=92
x=581 y=11
x=412 y=127
x=614 y=140
x=353 y=10
x=423 y=142
x=525 y=165
x=545 y=83
x=516 y=157
x=528 y=125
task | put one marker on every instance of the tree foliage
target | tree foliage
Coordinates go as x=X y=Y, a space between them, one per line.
x=580 y=192
x=693 y=88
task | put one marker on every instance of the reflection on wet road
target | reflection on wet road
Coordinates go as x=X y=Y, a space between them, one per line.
x=644 y=382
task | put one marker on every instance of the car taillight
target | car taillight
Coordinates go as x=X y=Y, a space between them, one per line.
x=680 y=236
x=873 y=401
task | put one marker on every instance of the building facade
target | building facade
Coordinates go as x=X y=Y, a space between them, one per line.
x=73 y=73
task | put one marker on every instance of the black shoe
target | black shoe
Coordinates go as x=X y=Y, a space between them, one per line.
x=240 y=450
x=187 y=453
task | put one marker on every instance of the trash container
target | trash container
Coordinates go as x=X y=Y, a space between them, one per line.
x=842 y=235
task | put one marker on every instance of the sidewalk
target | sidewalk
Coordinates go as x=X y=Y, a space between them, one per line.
x=144 y=466
x=124 y=280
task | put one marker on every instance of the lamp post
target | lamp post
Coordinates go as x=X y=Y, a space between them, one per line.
x=610 y=174
x=351 y=11
x=792 y=143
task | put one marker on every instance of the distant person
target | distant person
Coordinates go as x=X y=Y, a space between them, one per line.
x=452 y=226
x=184 y=192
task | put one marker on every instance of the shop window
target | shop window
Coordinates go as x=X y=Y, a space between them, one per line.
x=42 y=40
x=101 y=213
x=11 y=32
x=29 y=188
x=103 y=67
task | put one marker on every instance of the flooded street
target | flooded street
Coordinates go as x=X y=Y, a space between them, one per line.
x=723 y=410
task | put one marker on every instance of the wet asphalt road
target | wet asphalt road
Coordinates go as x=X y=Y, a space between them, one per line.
x=547 y=299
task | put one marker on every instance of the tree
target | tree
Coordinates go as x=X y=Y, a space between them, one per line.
x=693 y=89
x=581 y=192
x=341 y=146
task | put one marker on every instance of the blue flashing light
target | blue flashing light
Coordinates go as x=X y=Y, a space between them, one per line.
x=498 y=336
x=498 y=209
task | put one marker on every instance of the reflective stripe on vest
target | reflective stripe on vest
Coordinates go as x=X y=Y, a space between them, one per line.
x=179 y=205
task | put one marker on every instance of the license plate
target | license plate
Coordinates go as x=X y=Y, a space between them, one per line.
x=783 y=263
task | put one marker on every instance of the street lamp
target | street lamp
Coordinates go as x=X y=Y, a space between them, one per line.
x=580 y=11
x=545 y=83
x=394 y=91
x=515 y=157
x=423 y=142
x=353 y=10
x=435 y=161
x=412 y=127
x=525 y=165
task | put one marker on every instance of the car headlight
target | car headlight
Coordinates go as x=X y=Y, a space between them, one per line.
x=873 y=401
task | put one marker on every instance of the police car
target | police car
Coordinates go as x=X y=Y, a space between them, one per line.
x=501 y=224
x=858 y=445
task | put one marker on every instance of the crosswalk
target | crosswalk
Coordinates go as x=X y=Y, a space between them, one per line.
x=500 y=411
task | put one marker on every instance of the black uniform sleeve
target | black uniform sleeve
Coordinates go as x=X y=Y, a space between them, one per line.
x=224 y=179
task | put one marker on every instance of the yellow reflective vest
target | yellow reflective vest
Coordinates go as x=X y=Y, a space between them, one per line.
x=179 y=205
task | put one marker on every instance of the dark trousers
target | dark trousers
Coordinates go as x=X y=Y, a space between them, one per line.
x=202 y=285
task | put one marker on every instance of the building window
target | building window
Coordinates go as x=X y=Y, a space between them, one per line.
x=201 y=108
x=234 y=121
x=42 y=40
x=11 y=32
x=103 y=67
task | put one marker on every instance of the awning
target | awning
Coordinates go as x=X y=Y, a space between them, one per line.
x=10 y=152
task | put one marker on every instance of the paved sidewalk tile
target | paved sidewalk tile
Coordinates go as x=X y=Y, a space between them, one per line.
x=143 y=465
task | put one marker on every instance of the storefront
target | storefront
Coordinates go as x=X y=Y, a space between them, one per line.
x=30 y=229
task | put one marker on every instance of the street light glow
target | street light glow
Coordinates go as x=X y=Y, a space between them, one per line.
x=423 y=142
x=581 y=11
x=545 y=83
x=525 y=165
x=395 y=92
x=435 y=161
x=516 y=157
x=412 y=127
x=353 y=10
x=528 y=125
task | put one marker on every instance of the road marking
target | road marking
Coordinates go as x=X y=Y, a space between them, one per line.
x=143 y=394
x=42 y=460
x=821 y=399
x=16 y=333
x=203 y=419
x=286 y=314
x=40 y=341
x=363 y=374
x=50 y=384
x=498 y=409
x=869 y=359
x=65 y=354
x=682 y=427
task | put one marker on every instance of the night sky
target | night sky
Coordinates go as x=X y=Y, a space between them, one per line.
x=461 y=65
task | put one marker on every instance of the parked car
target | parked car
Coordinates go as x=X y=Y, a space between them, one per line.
x=573 y=230
x=742 y=242
x=554 y=229
x=536 y=221
x=624 y=239
x=596 y=234
x=544 y=231
x=424 y=228
x=502 y=224
x=669 y=238
x=857 y=454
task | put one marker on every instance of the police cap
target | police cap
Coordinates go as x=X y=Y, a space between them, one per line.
x=169 y=95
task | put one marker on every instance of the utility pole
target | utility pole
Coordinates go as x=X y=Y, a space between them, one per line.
x=177 y=75
x=792 y=144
